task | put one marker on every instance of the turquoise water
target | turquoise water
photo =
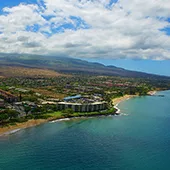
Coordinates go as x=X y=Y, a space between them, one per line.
x=137 y=141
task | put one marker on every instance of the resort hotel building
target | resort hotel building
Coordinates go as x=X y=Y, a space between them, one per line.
x=79 y=103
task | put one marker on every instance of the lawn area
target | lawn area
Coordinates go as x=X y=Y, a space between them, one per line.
x=61 y=114
x=57 y=114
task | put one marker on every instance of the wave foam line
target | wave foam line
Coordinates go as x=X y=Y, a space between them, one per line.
x=59 y=120
x=12 y=131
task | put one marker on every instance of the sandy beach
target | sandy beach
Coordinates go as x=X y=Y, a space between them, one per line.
x=14 y=128
x=116 y=101
x=152 y=93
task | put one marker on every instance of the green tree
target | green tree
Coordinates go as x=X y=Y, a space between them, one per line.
x=67 y=112
x=27 y=109
x=12 y=113
x=3 y=117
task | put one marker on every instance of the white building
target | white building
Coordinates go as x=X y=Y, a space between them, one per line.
x=78 y=107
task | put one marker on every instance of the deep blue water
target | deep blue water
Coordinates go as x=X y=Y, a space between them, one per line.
x=137 y=141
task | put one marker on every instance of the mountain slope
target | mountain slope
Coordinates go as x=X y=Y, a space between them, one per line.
x=69 y=65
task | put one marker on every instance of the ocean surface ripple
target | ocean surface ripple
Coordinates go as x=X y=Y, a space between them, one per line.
x=139 y=141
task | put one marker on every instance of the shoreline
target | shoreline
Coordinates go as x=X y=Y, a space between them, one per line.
x=35 y=122
x=118 y=100
x=10 y=129
x=152 y=93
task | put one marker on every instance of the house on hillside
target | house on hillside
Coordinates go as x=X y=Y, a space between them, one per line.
x=8 y=96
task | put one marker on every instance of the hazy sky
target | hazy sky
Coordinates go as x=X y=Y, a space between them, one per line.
x=128 y=33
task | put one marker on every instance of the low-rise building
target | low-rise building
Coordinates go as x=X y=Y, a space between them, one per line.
x=48 y=103
x=83 y=107
x=8 y=96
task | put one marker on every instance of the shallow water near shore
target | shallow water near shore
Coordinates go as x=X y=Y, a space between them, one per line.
x=140 y=140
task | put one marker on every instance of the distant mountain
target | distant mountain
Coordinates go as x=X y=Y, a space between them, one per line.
x=69 y=65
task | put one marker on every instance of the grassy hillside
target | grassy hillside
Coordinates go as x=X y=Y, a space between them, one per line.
x=68 y=65
x=14 y=71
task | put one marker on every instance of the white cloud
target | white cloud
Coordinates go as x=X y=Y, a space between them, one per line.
x=88 y=28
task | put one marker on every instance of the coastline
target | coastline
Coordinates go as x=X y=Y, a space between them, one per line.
x=14 y=128
x=151 y=93
x=35 y=122
x=10 y=129
x=118 y=100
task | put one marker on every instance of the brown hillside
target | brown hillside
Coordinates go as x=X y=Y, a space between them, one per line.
x=9 y=71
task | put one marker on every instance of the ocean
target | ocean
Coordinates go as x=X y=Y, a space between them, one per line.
x=138 y=139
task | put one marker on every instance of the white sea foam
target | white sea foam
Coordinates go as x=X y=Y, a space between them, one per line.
x=12 y=131
x=124 y=114
x=59 y=120
x=116 y=107
x=118 y=110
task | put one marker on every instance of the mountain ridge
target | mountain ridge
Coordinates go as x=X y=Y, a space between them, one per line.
x=70 y=65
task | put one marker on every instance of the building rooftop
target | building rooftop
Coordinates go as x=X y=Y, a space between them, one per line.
x=93 y=103
x=69 y=103
x=72 y=97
